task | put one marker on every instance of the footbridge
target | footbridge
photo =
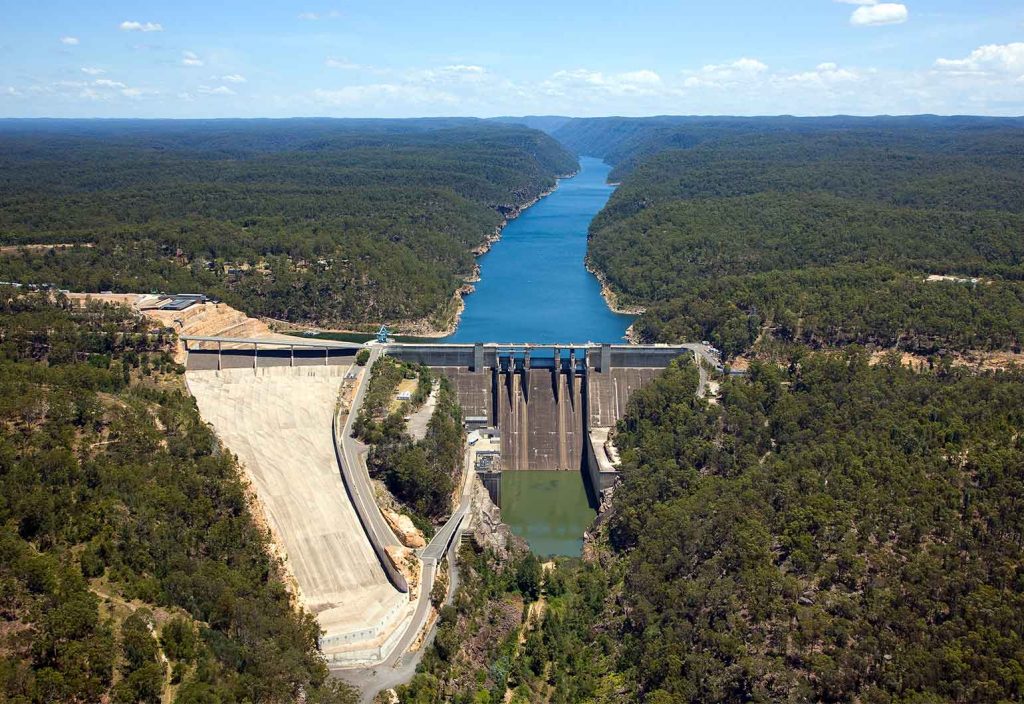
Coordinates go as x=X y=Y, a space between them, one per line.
x=553 y=406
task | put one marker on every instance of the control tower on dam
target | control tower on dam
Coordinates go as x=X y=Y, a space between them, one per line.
x=553 y=406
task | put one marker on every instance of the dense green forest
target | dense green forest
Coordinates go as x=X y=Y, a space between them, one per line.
x=476 y=656
x=131 y=569
x=421 y=474
x=823 y=234
x=625 y=142
x=323 y=221
x=830 y=531
x=835 y=532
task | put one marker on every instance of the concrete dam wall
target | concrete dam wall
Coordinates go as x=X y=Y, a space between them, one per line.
x=553 y=406
x=541 y=420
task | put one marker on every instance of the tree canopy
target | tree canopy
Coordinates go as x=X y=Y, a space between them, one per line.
x=130 y=563
x=324 y=221
x=823 y=233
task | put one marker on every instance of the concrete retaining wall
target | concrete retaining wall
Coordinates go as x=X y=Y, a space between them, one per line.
x=640 y=357
x=434 y=355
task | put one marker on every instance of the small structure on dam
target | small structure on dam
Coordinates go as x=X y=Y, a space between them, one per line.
x=487 y=465
x=553 y=405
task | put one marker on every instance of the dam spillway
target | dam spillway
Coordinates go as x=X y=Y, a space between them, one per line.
x=553 y=406
x=541 y=420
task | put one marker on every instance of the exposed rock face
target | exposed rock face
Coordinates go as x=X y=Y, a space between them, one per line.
x=592 y=538
x=408 y=564
x=488 y=530
x=409 y=534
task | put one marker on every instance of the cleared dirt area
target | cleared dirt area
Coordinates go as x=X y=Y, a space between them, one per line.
x=974 y=359
x=417 y=422
x=199 y=320
x=14 y=248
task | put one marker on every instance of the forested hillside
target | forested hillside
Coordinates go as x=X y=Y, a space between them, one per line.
x=830 y=532
x=835 y=526
x=825 y=236
x=420 y=474
x=324 y=221
x=131 y=569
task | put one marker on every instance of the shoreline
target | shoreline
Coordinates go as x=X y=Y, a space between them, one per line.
x=611 y=298
x=425 y=327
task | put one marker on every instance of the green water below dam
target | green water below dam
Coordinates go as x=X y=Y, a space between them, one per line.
x=549 y=509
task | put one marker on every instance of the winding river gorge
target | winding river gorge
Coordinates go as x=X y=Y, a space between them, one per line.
x=535 y=288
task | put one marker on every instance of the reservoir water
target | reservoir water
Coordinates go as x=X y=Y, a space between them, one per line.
x=534 y=287
x=533 y=284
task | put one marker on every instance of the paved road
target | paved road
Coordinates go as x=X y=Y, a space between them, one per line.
x=354 y=470
x=703 y=352
x=208 y=360
x=399 y=666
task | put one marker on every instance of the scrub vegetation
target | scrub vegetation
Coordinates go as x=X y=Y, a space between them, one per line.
x=131 y=568
x=477 y=655
x=329 y=222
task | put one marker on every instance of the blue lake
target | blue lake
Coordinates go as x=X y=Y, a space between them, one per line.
x=533 y=284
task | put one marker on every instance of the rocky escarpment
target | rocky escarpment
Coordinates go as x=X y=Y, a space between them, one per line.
x=487 y=528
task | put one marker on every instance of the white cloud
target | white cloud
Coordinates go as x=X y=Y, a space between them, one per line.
x=463 y=68
x=99 y=89
x=748 y=65
x=92 y=71
x=133 y=26
x=70 y=41
x=383 y=96
x=744 y=70
x=215 y=90
x=11 y=91
x=190 y=58
x=879 y=13
x=641 y=77
x=341 y=63
x=233 y=78
x=824 y=75
x=988 y=59
x=595 y=83
x=313 y=16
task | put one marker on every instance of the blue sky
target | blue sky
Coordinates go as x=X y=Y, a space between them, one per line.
x=397 y=58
